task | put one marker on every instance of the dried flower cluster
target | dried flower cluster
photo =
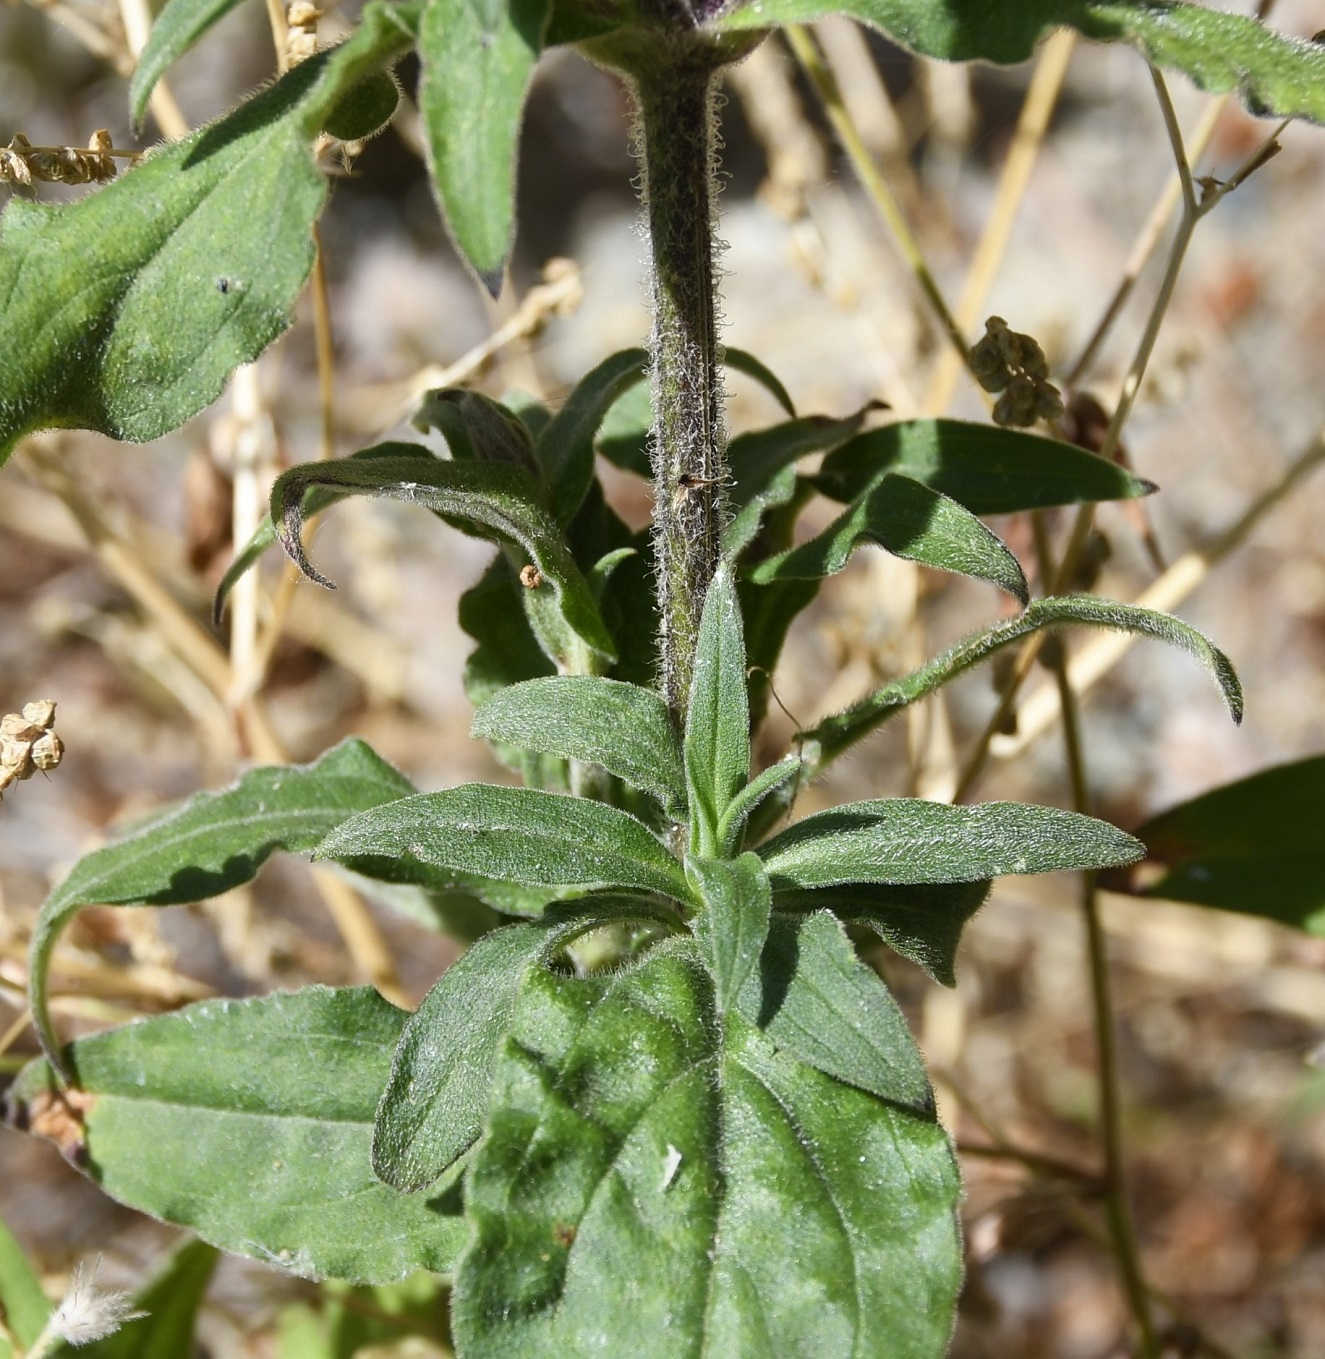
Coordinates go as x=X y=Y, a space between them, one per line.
x=28 y=742
x=1006 y=361
x=23 y=163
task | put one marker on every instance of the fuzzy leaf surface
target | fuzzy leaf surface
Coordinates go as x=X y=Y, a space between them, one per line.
x=717 y=736
x=987 y=469
x=490 y=500
x=908 y=840
x=434 y=1104
x=909 y=520
x=1220 y=52
x=214 y=842
x=259 y=1116
x=642 y=1164
x=125 y=312
x=477 y=58
x=817 y=1001
x=23 y=1306
x=624 y=728
x=921 y=921
x=516 y=835
x=566 y=446
x=731 y=828
x=171 y=1301
x=836 y=734
x=1256 y=846
x=733 y=925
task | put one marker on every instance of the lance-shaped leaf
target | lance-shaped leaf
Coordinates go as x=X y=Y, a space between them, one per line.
x=126 y=311
x=23 y=1306
x=817 y=1001
x=258 y=1115
x=621 y=727
x=1256 y=846
x=910 y=520
x=836 y=734
x=754 y=458
x=566 y=446
x=921 y=921
x=168 y=1310
x=731 y=826
x=908 y=840
x=742 y=361
x=517 y=835
x=1220 y=52
x=478 y=57
x=733 y=924
x=435 y=1100
x=717 y=736
x=492 y=500
x=987 y=469
x=174 y=30
x=657 y=1180
x=214 y=842
x=315 y=501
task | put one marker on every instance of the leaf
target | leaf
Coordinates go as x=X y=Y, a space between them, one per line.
x=987 y=469
x=171 y=1302
x=566 y=448
x=173 y=288
x=515 y=835
x=477 y=58
x=717 y=735
x=23 y=1306
x=741 y=361
x=731 y=827
x=907 y=840
x=910 y=520
x=660 y=1182
x=477 y=428
x=921 y=921
x=755 y=458
x=214 y=842
x=817 y=1001
x=258 y=1114
x=1220 y=52
x=1256 y=846
x=623 y=728
x=176 y=28
x=437 y=1096
x=494 y=501
x=836 y=734
x=315 y=501
x=733 y=924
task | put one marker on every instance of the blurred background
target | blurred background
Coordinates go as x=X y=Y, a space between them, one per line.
x=109 y=554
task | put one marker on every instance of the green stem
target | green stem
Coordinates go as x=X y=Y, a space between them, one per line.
x=674 y=96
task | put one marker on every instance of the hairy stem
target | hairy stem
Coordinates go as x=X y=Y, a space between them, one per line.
x=677 y=141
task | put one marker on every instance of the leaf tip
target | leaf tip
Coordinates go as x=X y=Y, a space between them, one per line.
x=492 y=280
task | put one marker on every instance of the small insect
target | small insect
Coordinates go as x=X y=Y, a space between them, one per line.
x=531 y=577
x=222 y=285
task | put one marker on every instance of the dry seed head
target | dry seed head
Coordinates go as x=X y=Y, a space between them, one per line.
x=23 y=163
x=1004 y=360
x=28 y=743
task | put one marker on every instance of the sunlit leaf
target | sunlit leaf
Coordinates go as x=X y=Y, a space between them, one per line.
x=126 y=311
x=733 y=924
x=251 y=1122
x=646 y=1160
x=910 y=520
x=908 y=840
x=214 y=842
